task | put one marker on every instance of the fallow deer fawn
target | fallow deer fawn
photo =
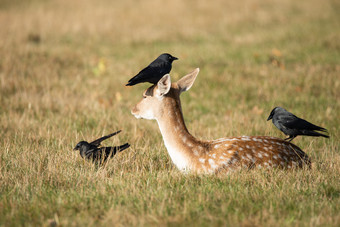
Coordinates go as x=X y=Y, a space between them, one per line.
x=161 y=102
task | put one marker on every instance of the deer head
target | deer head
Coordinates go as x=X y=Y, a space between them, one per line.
x=158 y=96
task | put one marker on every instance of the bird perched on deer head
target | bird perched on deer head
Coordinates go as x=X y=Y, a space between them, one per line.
x=292 y=125
x=92 y=151
x=155 y=71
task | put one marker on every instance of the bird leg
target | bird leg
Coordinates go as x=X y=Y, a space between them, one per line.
x=290 y=138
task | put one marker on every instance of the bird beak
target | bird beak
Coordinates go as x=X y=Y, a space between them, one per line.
x=270 y=117
x=75 y=148
x=174 y=58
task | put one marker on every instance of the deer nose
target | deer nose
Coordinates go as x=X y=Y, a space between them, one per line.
x=134 y=110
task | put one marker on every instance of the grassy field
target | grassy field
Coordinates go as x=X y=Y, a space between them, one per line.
x=63 y=66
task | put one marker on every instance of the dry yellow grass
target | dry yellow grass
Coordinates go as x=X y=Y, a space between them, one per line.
x=63 y=65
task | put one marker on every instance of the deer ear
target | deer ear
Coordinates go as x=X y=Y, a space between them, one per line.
x=187 y=81
x=163 y=85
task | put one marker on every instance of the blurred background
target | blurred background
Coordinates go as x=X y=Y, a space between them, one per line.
x=75 y=57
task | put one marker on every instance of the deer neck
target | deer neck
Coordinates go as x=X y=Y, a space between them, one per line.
x=177 y=139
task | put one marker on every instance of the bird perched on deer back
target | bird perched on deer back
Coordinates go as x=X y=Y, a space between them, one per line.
x=292 y=125
x=92 y=151
x=155 y=71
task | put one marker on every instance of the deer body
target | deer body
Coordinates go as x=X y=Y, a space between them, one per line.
x=162 y=102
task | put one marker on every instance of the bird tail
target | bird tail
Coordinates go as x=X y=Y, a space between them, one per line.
x=112 y=151
x=123 y=147
x=313 y=133
x=322 y=129
x=132 y=81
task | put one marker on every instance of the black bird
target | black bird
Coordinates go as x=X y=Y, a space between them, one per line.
x=92 y=151
x=155 y=71
x=292 y=125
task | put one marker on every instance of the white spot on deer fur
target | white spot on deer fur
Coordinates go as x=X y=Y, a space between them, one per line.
x=289 y=166
x=245 y=138
x=266 y=154
x=265 y=163
x=230 y=151
x=275 y=157
x=282 y=163
x=241 y=149
x=224 y=139
x=259 y=155
x=249 y=156
x=201 y=160
x=212 y=164
x=217 y=146
x=225 y=162
x=266 y=148
x=294 y=163
x=247 y=146
x=257 y=139
x=196 y=152
x=259 y=166
x=266 y=141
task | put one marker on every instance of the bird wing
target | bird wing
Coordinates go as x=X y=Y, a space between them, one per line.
x=98 y=141
x=91 y=153
x=159 y=68
x=287 y=120
x=293 y=122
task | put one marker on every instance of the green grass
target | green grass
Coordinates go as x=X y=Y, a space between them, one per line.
x=253 y=55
